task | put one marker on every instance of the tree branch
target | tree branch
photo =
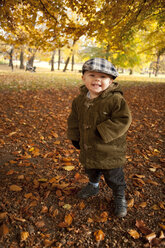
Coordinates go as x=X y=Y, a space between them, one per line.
x=48 y=11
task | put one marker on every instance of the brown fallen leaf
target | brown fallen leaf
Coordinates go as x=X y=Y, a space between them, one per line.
x=35 y=152
x=10 y=172
x=21 y=177
x=40 y=224
x=68 y=219
x=58 y=193
x=68 y=159
x=82 y=205
x=2 y=141
x=90 y=220
x=130 y=203
x=155 y=207
x=3 y=215
x=152 y=169
x=162 y=226
x=77 y=176
x=24 y=236
x=99 y=235
x=134 y=234
x=69 y=167
x=4 y=230
x=138 y=182
x=33 y=204
x=162 y=236
x=44 y=209
x=57 y=142
x=142 y=227
x=36 y=183
x=137 y=193
x=139 y=176
x=53 y=180
x=12 y=162
x=162 y=205
x=151 y=182
x=29 y=195
x=143 y=204
x=11 y=134
x=55 y=135
x=62 y=224
x=150 y=236
x=15 y=188
x=55 y=213
x=48 y=243
x=104 y=216
x=19 y=219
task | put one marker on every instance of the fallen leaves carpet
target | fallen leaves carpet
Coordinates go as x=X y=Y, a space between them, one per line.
x=40 y=175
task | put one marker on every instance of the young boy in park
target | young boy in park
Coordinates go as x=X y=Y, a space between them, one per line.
x=97 y=125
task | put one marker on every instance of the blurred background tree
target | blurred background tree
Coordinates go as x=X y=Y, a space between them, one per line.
x=129 y=33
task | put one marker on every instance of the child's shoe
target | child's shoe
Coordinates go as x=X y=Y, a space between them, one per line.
x=87 y=191
x=120 y=206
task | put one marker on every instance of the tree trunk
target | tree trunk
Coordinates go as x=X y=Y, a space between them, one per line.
x=72 y=62
x=160 y=52
x=31 y=60
x=66 y=64
x=157 y=65
x=52 y=61
x=11 y=58
x=130 y=72
x=71 y=54
x=22 y=60
x=59 y=58
x=31 y=57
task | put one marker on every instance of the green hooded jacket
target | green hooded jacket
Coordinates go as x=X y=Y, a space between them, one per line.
x=100 y=126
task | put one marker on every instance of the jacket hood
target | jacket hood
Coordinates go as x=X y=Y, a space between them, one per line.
x=113 y=88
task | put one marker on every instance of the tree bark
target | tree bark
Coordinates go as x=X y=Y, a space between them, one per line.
x=72 y=69
x=52 y=61
x=71 y=54
x=157 y=65
x=66 y=64
x=22 y=60
x=11 y=58
x=31 y=60
x=160 y=52
x=59 y=58
x=31 y=57
x=130 y=72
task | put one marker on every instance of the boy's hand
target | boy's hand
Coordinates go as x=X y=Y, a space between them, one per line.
x=76 y=144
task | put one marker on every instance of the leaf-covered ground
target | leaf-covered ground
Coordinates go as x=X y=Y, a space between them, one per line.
x=40 y=175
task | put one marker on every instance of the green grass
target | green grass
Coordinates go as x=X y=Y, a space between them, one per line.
x=40 y=80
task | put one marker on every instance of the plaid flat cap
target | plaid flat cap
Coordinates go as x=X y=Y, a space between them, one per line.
x=100 y=65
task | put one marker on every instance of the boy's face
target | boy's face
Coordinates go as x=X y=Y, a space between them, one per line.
x=96 y=82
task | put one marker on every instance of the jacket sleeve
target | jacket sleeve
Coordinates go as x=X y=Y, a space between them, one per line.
x=73 y=125
x=118 y=124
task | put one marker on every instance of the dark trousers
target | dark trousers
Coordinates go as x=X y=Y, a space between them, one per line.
x=113 y=177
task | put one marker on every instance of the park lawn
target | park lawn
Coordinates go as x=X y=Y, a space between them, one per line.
x=42 y=80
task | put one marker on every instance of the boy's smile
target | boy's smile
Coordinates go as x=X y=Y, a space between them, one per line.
x=96 y=82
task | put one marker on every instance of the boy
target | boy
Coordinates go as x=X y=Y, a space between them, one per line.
x=97 y=125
